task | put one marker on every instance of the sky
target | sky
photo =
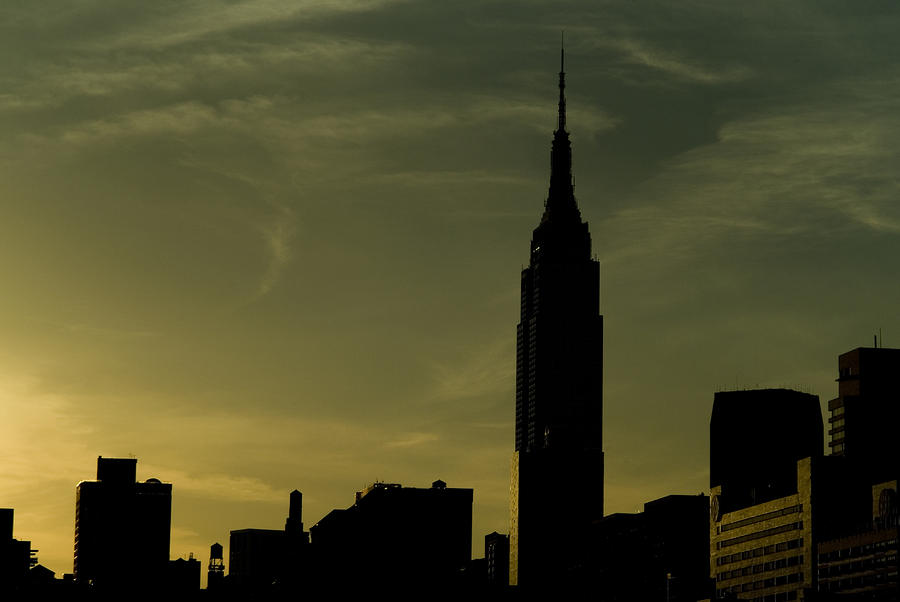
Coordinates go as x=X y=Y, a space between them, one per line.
x=272 y=244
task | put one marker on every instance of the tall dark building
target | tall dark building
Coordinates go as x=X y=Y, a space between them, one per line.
x=557 y=468
x=122 y=528
x=755 y=440
x=864 y=416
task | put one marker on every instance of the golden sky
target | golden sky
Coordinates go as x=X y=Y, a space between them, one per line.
x=273 y=244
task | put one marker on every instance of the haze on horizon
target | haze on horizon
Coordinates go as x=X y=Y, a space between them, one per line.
x=267 y=244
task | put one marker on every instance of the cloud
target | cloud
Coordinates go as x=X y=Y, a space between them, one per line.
x=143 y=81
x=814 y=168
x=179 y=119
x=236 y=488
x=644 y=53
x=412 y=440
x=277 y=237
x=483 y=371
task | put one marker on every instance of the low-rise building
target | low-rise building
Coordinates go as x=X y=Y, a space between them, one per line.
x=406 y=536
x=661 y=553
x=863 y=565
x=764 y=552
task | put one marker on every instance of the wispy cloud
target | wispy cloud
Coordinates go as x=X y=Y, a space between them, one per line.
x=485 y=370
x=196 y=19
x=277 y=236
x=412 y=440
x=669 y=62
x=181 y=118
x=792 y=169
x=41 y=85
x=238 y=488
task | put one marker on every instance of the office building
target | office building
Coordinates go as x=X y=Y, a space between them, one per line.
x=864 y=415
x=857 y=553
x=768 y=552
x=122 y=528
x=862 y=564
x=661 y=553
x=404 y=536
x=557 y=468
x=755 y=440
x=763 y=447
x=764 y=552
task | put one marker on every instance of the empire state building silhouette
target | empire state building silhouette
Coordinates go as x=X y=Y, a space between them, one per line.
x=557 y=469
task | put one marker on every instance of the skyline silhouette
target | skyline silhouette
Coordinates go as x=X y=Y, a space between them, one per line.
x=415 y=539
x=263 y=250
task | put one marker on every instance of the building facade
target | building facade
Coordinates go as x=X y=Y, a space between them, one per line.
x=122 y=528
x=557 y=468
x=765 y=552
x=761 y=510
x=861 y=562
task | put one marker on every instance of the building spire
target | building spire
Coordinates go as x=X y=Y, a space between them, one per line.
x=562 y=82
x=561 y=205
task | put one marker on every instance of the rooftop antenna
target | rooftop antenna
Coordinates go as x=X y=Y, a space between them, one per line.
x=562 y=50
x=562 y=81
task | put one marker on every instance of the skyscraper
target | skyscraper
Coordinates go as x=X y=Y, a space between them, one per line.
x=557 y=467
